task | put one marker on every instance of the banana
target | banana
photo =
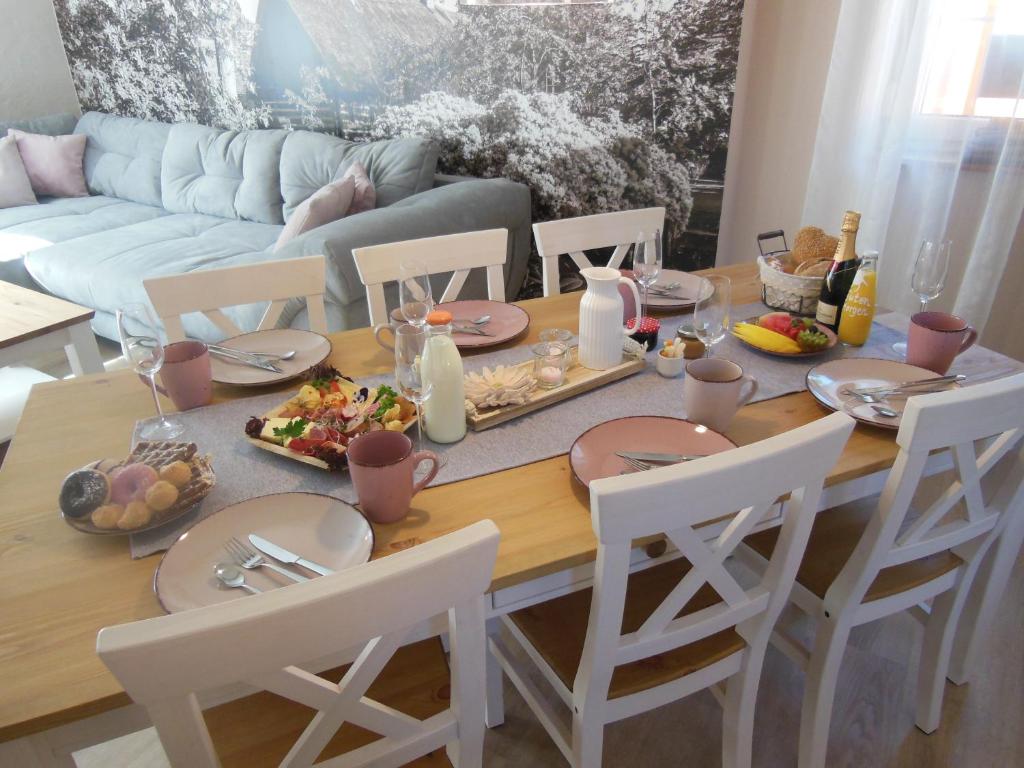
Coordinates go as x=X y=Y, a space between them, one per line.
x=765 y=339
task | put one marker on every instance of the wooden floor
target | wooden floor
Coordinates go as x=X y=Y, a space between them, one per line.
x=873 y=723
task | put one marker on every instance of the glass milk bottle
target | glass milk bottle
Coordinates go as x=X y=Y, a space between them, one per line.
x=859 y=308
x=444 y=412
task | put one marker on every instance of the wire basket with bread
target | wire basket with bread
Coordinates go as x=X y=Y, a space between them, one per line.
x=791 y=278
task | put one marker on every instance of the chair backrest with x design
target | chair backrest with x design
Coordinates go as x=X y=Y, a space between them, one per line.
x=585 y=233
x=458 y=254
x=262 y=639
x=210 y=290
x=976 y=427
x=676 y=501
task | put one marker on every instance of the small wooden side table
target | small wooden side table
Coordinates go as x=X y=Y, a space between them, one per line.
x=33 y=322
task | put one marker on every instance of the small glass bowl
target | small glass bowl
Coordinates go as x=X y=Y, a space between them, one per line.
x=550 y=362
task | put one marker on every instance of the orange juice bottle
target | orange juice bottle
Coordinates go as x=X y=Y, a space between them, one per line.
x=859 y=309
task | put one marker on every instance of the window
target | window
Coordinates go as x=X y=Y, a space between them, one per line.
x=973 y=61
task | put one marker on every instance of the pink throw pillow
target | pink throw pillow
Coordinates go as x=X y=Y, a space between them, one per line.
x=15 y=188
x=53 y=163
x=365 y=197
x=327 y=204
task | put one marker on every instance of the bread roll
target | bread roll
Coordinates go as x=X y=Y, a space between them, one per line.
x=813 y=244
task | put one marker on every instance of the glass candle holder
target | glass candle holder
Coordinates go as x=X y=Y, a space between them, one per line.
x=558 y=336
x=550 y=362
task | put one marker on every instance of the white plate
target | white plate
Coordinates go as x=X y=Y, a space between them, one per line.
x=826 y=381
x=319 y=528
x=690 y=289
x=310 y=349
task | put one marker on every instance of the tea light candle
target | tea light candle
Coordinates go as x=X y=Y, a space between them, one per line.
x=550 y=375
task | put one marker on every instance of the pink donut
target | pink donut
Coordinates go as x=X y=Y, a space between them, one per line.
x=131 y=482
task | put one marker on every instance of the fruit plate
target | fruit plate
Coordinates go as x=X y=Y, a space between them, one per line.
x=155 y=454
x=832 y=338
x=306 y=406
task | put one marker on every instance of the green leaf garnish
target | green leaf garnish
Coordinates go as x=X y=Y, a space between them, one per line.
x=293 y=428
x=386 y=398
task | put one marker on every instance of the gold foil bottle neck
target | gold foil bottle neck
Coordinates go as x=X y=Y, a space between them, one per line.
x=851 y=221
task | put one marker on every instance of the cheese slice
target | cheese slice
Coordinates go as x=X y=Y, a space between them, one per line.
x=268 y=430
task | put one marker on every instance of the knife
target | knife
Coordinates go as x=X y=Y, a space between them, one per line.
x=470 y=329
x=282 y=554
x=660 y=458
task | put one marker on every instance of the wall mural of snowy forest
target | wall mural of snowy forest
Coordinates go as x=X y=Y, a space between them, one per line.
x=597 y=106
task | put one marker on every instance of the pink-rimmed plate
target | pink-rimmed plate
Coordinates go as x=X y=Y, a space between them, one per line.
x=683 y=297
x=827 y=381
x=507 y=322
x=310 y=349
x=319 y=528
x=592 y=456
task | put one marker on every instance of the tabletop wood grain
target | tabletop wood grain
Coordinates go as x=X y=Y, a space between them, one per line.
x=58 y=587
x=26 y=314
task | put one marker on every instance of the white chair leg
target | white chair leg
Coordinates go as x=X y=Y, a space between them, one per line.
x=738 y=716
x=820 y=691
x=938 y=645
x=495 y=708
x=587 y=740
x=468 y=695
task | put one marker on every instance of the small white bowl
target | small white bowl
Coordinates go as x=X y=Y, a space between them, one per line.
x=670 y=367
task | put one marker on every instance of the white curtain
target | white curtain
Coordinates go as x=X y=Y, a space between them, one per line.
x=922 y=130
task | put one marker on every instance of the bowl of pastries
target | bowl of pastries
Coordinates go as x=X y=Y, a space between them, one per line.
x=791 y=278
x=156 y=483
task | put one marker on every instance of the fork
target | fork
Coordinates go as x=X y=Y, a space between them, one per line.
x=635 y=465
x=250 y=559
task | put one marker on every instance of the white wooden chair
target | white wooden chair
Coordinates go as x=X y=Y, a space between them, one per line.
x=595 y=646
x=262 y=640
x=209 y=290
x=584 y=233
x=865 y=562
x=458 y=253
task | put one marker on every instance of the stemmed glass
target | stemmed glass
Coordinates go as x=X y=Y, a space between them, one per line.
x=929 y=278
x=712 y=310
x=646 y=265
x=416 y=300
x=410 y=341
x=140 y=342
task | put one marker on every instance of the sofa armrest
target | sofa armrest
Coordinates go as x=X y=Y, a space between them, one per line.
x=458 y=207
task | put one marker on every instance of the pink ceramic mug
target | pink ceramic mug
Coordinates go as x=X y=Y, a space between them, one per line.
x=936 y=338
x=382 y=466
x=186 y=375
x=713 y=391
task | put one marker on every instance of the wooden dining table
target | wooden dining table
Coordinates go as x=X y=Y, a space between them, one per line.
x=58 y=587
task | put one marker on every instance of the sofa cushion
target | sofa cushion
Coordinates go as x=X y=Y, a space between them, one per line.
x=398 y=168
x=53 y=163
x=228 y=174
x=105 y=270
x=123 y=155
x=51 y=125
x=329 y=203
x=15 y=187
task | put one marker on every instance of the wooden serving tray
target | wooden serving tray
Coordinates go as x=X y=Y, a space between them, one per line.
x=280 y=450
x=577 y=381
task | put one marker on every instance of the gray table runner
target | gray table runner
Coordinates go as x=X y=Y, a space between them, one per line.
x=244 y=471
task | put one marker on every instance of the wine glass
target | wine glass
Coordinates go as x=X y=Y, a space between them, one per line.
x=712 y=310
x=929 y=279
x=410 y=341
x=414 y=293
x=140 y=342
x=646 y=265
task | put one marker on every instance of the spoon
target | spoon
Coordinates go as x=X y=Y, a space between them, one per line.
x=881 y=410
x=482 y=320
x=230 y=576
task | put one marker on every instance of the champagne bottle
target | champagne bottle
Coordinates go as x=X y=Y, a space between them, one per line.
x=840 y=274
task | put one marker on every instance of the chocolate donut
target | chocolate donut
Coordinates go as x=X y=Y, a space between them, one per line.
x=83 y=491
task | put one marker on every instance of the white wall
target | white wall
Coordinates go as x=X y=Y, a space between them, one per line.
x=36 y=80
x=785 y=49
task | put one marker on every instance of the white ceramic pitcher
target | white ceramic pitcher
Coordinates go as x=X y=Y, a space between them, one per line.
x=601 y=329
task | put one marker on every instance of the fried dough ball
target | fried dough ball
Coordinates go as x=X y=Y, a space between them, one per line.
x=177 y=473
x=107 y=516
x=136 y=515
x=161 y=495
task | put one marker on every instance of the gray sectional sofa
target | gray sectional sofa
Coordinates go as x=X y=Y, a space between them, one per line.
x=167 y=199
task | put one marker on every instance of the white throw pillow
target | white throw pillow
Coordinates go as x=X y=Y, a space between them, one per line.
x=15 y=187
x=327 y=204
